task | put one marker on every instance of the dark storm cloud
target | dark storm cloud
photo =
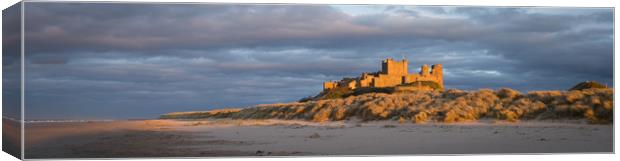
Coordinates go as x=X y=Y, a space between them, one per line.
x=11 y=58
x=11 y=34
x=139 y=60
x=156 y=27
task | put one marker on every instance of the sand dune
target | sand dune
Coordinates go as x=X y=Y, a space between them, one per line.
x=595 y=105
x=451 y=122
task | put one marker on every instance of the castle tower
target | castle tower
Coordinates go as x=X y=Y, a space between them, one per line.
x=392 y=67
x=425 y=70
x=437 y=72
x=329 y=85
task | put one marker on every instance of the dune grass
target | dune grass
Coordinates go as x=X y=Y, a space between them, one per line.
x=594 y=105
x=588 y=85
x=200 y=114
x=344 y=92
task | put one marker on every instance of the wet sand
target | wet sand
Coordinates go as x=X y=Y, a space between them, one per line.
x=11 y=137
x=209 y=138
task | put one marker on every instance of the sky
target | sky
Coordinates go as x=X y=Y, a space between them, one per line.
x=120 y=60
x=11 y=58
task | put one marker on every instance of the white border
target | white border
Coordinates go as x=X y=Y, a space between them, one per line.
x=563 y=3
x=567 y=3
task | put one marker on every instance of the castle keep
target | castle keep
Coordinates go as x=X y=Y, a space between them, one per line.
x=393 y=73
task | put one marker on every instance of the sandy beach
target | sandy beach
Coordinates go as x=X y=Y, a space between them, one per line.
x=223 y=137
x=11 y=137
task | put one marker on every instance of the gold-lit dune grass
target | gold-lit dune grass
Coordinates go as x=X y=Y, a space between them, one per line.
x=593 y=105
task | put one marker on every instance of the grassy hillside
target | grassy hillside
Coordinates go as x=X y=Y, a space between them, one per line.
x=588 y=85
x=344 y=92
x=595 y=105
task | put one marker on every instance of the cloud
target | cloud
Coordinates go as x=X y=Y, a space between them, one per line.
x=11 y=58
x=140 y=60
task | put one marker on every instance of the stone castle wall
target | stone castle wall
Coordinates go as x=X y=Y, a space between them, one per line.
x=329 y=85
x=394 y=68
x=385 y=80
x=393 y=73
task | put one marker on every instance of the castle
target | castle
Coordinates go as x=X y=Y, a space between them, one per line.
x=393 y=73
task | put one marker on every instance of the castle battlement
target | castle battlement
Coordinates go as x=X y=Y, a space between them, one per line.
x=393 y=73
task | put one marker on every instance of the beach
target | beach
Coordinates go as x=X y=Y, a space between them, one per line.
x=226 y=137
x=11 y=137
